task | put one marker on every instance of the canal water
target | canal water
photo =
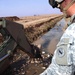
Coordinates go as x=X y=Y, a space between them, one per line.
x=49 y=41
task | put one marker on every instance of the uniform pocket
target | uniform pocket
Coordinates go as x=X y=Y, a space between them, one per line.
x=61 y=52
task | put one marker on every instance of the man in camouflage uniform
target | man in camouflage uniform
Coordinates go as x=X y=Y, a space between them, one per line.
x=63 y=61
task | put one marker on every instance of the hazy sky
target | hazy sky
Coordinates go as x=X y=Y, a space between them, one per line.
x=25 y=8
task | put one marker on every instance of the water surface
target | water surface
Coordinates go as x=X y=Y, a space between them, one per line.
x=49 y=41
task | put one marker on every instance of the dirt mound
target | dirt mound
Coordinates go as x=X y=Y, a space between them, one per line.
x=12 y=18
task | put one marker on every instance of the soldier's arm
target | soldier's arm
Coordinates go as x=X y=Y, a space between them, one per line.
x=63 y=59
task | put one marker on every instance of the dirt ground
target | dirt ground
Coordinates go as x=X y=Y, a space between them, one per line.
x=21 y=63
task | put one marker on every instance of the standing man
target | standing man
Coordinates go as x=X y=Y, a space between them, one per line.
x=63 y=61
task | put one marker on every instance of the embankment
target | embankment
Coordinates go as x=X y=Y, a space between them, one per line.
x=37 y=28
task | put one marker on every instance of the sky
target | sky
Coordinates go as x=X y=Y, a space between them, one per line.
x=26 y=8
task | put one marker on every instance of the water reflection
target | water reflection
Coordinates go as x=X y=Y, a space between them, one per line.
x=51 y=38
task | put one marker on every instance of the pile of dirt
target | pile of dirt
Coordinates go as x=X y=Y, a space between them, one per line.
x=12 y=18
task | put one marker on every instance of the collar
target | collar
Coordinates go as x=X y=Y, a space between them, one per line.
x=72 y=20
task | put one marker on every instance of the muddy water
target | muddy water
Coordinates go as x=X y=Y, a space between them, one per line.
x=49 y=41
